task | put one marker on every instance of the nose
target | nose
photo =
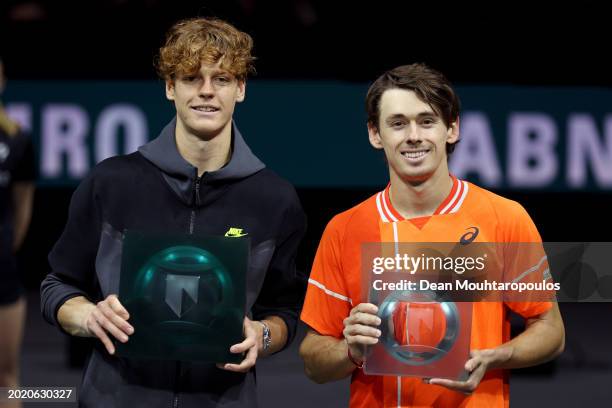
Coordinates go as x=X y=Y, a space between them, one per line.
x=207 y=89
x=413 y=135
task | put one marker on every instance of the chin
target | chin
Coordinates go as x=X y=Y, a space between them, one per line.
x=207 y=131
x=416 y=177
x=210 y=126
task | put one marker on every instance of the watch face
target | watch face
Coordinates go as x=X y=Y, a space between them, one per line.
x=267 y=338
x=185 y=296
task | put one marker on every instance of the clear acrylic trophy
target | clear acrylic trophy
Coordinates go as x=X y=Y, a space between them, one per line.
x=422 y=335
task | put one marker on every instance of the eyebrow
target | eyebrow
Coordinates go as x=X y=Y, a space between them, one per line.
x=220 y=72
x=420 y=115
x=215 y=71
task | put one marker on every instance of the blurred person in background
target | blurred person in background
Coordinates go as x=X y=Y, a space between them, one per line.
x=17 y=174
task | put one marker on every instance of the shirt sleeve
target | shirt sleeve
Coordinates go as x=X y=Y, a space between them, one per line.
x=72 y=259
x=327 y=302
x=525 y=261
x=282 y=292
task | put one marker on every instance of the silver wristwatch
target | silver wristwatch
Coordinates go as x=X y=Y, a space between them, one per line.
x=267 y=337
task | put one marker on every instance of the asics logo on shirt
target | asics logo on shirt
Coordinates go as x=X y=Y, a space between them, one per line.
x=469 y=236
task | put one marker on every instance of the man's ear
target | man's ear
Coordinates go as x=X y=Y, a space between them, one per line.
x=374 y=136
x=170 y=89
x=453 y=132
x=241 y=93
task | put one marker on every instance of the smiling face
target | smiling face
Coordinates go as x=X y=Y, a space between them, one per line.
x=413 y=136
x=205 y=101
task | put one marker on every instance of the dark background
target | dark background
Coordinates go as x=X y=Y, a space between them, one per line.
x=515 y=43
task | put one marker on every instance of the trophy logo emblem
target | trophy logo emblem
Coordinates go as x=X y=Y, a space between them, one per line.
x=181 y=292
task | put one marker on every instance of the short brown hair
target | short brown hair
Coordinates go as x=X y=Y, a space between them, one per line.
x=429 y=85
x=193 y=41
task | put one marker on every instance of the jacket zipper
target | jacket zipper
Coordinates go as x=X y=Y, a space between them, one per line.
x=177 y=379
x=196 y=203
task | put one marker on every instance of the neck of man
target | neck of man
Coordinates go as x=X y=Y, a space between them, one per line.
x=206 y=154
x=420 y=197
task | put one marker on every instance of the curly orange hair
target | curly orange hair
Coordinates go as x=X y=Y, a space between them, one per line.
x=191 y=42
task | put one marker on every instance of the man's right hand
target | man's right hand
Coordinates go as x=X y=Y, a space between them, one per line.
x=79 y=317
x=360 y=329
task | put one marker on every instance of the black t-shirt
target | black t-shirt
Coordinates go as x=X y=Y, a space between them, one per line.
x=16 y=164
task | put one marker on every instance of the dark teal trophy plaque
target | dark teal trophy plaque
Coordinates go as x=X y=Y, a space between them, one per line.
x=185 y=296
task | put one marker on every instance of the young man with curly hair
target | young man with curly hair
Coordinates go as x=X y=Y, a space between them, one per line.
x=197 y=177
x=413 y=116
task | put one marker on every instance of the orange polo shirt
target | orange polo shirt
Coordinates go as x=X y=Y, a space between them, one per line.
x=335 y=285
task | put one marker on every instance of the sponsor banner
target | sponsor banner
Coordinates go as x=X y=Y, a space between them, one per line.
x=314 y=132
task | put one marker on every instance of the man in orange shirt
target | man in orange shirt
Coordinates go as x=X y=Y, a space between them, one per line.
x=413 y=116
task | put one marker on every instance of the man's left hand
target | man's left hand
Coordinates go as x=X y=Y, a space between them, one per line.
x=480 y=362
x=253 y=333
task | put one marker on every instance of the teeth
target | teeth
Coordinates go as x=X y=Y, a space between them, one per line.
x=415 y=155
x=206 y=108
